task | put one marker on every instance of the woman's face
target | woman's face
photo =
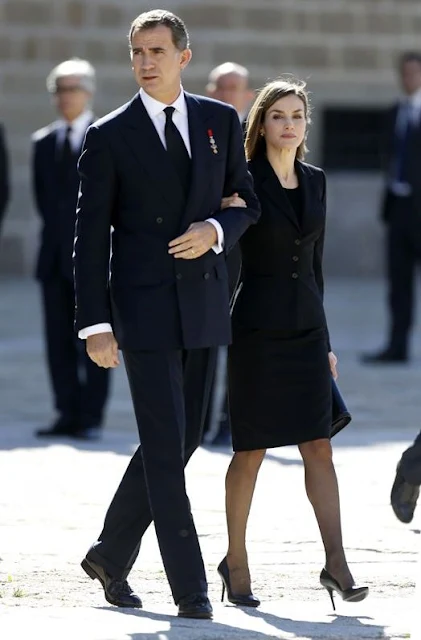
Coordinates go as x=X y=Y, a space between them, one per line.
x=284 y=124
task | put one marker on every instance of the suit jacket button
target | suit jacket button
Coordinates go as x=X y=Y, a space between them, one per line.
x=160 y=220
x=295 y=258
x=179 y=276
x=206 y=276
x=297 y=242
x=295 y=275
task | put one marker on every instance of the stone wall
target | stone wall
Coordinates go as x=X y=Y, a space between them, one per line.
x=345 y=48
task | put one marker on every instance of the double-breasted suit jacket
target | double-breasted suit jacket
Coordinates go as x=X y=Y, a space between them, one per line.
x=282 y=281
x=152 y=300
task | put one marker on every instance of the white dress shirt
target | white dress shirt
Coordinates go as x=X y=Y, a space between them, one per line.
x=155 y=111
x=78 y=131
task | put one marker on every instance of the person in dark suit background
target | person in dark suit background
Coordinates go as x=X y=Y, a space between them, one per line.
x=401 y=210
x=230 y=83
x=280 y=363
x=156 y=170
x=79 y=386
x=4 y=177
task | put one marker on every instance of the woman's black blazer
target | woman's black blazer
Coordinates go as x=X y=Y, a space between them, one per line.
x=282 y=279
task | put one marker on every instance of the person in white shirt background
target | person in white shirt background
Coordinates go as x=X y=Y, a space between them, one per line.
x=79 y=387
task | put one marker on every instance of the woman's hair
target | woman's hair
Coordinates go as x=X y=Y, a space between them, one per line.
x=255 y=143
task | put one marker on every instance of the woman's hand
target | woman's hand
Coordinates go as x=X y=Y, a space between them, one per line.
x=232 y=201
x=333 y=361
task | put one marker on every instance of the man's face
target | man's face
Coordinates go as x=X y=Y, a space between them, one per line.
x=232 y=88
x=157 y=63
x=70 y=98
x=411 y=76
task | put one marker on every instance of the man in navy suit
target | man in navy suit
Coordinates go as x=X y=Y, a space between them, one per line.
x=155 y=170
x=401 y=211
x=79 y=386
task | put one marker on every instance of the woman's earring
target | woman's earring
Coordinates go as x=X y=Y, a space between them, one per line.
x=262 y=134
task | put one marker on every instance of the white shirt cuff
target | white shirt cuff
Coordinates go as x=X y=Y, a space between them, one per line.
x=218 y=247
x=103 y=327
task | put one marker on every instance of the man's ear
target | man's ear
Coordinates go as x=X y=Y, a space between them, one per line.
x=186 y=56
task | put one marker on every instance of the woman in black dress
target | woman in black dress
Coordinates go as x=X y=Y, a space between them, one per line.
x=281 y=362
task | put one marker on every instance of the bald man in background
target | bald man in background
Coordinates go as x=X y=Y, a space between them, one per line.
x=228 y=82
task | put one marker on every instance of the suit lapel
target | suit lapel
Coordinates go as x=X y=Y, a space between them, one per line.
x=141 y=136
x=308 y=199
x=273 y=188
x=201 y=156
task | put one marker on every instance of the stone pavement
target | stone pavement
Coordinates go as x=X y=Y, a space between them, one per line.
x=53 y=498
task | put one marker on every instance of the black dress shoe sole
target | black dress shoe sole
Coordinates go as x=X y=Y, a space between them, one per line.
x=94 y=575
x=205 y=615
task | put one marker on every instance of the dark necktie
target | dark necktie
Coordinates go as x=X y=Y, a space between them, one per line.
x=66 y=159
x=177 y=149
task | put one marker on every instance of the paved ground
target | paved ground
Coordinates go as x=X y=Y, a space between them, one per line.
x=53 y=497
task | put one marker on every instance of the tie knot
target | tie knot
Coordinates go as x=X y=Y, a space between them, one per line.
x=68 y=130
x=168 y=112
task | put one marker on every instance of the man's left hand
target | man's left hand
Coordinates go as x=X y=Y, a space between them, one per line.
x=197 y=240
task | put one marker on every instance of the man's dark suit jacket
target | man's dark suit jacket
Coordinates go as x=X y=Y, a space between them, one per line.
x=55 y=205
x=4 y=176
x=152 y=300
x=413 y=161
x=282 y=259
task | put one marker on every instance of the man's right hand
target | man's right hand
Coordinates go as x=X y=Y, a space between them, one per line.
x=102 y=348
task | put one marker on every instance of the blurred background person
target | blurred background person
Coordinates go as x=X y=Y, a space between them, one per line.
x=402 y=210
x=79 y=386
x=229 y=83
x=4 y=177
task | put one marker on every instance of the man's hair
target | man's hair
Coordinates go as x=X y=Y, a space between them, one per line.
x=224 y=69
x=409 y=56
x=158 y=17
x=82 y=69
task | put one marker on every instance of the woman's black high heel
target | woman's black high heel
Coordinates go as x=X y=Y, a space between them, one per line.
x=353 y=594
x=245 y=600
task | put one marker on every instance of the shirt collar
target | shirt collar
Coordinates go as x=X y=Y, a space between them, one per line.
x=414 y=100
x=80 y=123
x=154 y=107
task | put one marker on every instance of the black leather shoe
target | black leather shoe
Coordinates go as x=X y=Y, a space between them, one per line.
x=117 y=592
x=60 y=428
x=404 y=498
x=387 y=356
x=196 y=605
